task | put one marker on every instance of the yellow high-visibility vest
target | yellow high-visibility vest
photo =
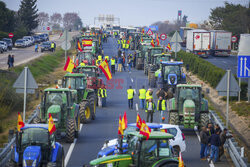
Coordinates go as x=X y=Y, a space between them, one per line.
x=148 y=96
x=130 y=93
x=52 y=45
x=107 y=57
x=127 y=46
x=119 y=42
x=112 y=61
x=163 y=105
x=99 y=57
x=142 y=93
x=153 y=106
x=123 y=46
x=82 y=64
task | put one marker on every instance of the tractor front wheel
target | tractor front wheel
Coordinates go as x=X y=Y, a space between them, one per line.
x=85 y=112
x=204 y=120
x=70 y=131
x=173 y=118
x=93 y=106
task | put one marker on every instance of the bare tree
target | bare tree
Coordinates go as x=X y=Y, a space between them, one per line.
x=43 y=18
x=56 y=20
x=72 y=21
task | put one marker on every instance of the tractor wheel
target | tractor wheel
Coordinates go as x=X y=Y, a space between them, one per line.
x=36 y=120
x=85 y=112
x=92 y=102
x=70 y=131
x=173 y=118
x=78 y=122
x=204 y=119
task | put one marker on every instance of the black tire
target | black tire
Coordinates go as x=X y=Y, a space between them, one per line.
x=93 y=106
x=78 y=122
x=204 y=120
x=173 y=118
x=85 y=112
x=70 y=131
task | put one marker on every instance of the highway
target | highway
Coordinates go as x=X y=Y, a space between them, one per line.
x=105 y=127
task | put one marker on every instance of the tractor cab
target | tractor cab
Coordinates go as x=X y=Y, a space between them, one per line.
x=85 y=57
x=157 y=59
x=89 y=71
x=36 y=147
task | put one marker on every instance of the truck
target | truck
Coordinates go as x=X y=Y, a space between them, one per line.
x=198 y=42
x=220 y=43
x=183 y=34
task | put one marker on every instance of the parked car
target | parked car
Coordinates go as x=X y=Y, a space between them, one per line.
x=37 y=38
x=9 y=42
x=44 y=37
x=1 y=49
x=30 y=38
x=46 y=46
x=4 y=45
x=27 y=42
x=20 y=43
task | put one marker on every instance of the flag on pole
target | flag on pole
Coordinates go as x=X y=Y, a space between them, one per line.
x=143 y=31
x=124 y=121
x=169 y=47
x=152 y=43
x=145 y=130
x=69 y=66
x=79 y=46
x=52 y=127
x=138 y=121
x=20 y=122
x=181 y=163
x=120 y=130
x=104 y=66
x=157 y=40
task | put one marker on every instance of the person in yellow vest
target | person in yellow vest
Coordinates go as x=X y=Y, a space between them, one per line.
x=149 y=94
x=100 y=57
x=99 y=94
x=106 y=57
x=131 y=94
x=161 y=107
x=82 y=64
x=119 y=43
x=52 y=46
x=112 y=65
x=104 y=95
x=150 y=109
x=142 y=97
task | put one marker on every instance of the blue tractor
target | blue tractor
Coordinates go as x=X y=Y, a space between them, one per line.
x=170 y=75
x=35 y=147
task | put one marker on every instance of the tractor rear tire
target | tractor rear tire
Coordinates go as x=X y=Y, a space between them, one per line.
x=204 y=120
x=93 y=106
x=70 y=131
x=173 y=118
x=85 y=112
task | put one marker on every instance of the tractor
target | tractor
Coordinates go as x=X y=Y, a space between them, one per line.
x=153 y=152
x=155 y=65
x=149 y=54
x=36 y=147
x=61 y=104
x=171 y=75
x=86 y=98
x=188 y=107
x=86 y=57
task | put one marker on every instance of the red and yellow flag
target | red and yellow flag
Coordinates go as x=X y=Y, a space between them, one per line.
x=87 y=42
x=79 y=46
x=152 y=43
x=20 y=122
x=145 y=130
x=124 y=121
x=157 y=40
x=104 y=66
x=120 y=130
x=69 y=66
x=143 y=31
x=169 y=47
x=138 y=121
x=141 y=39
x=181 y=162
x=52 y=127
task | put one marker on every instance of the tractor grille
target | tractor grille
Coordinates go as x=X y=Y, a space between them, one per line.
x=29 y=162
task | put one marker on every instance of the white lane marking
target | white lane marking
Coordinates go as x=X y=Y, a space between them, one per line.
x=198 y=136
x=136 y=106
x=135 y=91
x=71 y=148
x=132 y=80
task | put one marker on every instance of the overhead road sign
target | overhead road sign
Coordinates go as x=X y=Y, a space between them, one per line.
x=154 y=28
x=244 y=57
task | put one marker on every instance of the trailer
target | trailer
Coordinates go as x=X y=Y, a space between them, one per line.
x=183 y=34
x=220 y=43
x=198 y=42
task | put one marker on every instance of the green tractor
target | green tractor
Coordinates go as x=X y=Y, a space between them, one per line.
x=61 y=104
x=154 y=152
x=155 y=65
x=188 y=107
x=86 y=57
x=86 y=98
x=148 y=56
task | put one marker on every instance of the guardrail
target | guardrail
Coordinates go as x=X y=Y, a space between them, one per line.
x=6 y=152
x=231 y=145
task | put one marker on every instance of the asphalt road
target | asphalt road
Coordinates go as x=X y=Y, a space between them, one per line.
x=24 y=55
x=105 y=127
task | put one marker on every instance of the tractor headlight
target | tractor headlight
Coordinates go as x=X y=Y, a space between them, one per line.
x=34 y=164
x=24 y=163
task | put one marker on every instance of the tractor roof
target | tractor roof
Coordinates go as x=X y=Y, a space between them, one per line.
x=43 y=126
x=189 y=85
x=57 y=89
x=86 y=66
x=172 y=62
x=74 y=75
x=162 y=55
x=150 y=125
x=153 y=135
x=156 y=48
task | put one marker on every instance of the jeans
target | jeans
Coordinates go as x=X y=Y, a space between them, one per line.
x=113 y=69
x=161 y=116
x=130 y=103
x=129 y=67
x=142 y=103
x=203 y=150
x=214 y=152
x=124 y=68
x=104 y=102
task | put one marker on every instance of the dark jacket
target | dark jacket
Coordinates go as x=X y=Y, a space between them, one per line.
x=215 y=140
x=204 y=137
x=223 y=138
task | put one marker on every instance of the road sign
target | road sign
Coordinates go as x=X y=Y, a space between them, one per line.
x=163 y=36
x=48 y=28
x=11 y=35
x=66 y=45
x=234 y=39
x=150 y=32
x=154 y=28
x=243 y=67
x=176 y=37
x=176 y=47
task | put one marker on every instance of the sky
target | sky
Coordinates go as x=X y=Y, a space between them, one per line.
x=130 y=12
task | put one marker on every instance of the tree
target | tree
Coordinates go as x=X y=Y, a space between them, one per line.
x=56 y=20
x=72 y=21
x=7 y=18
x=43 y=18
x=28 y=14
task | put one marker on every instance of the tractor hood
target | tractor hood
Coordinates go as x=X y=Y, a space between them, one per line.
x=54 y=109
x=188 y=104
x=125 y=159
x=31 y=155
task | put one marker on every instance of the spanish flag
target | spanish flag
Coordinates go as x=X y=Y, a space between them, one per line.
x=138 y=121
x=181 y=163
x=152 y=43
x=79 y=46
x=120 y=130
x=143 y=31
x=69 y=66
x=124 y=121
x=20 y=122
x=141 y=39
x=52 y=127
x=157 y=40
x=169 y=47
x=87 y=42
x=145 y=130
x=104 y=66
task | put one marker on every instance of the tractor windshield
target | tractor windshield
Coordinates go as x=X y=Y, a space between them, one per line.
x=85 y=56
x=74 y=83
x=189 y=93
x=159 y=59
x=156 y=51
x=34 y=136
x=88 y=71
x=171 y=69
x=145 y=48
